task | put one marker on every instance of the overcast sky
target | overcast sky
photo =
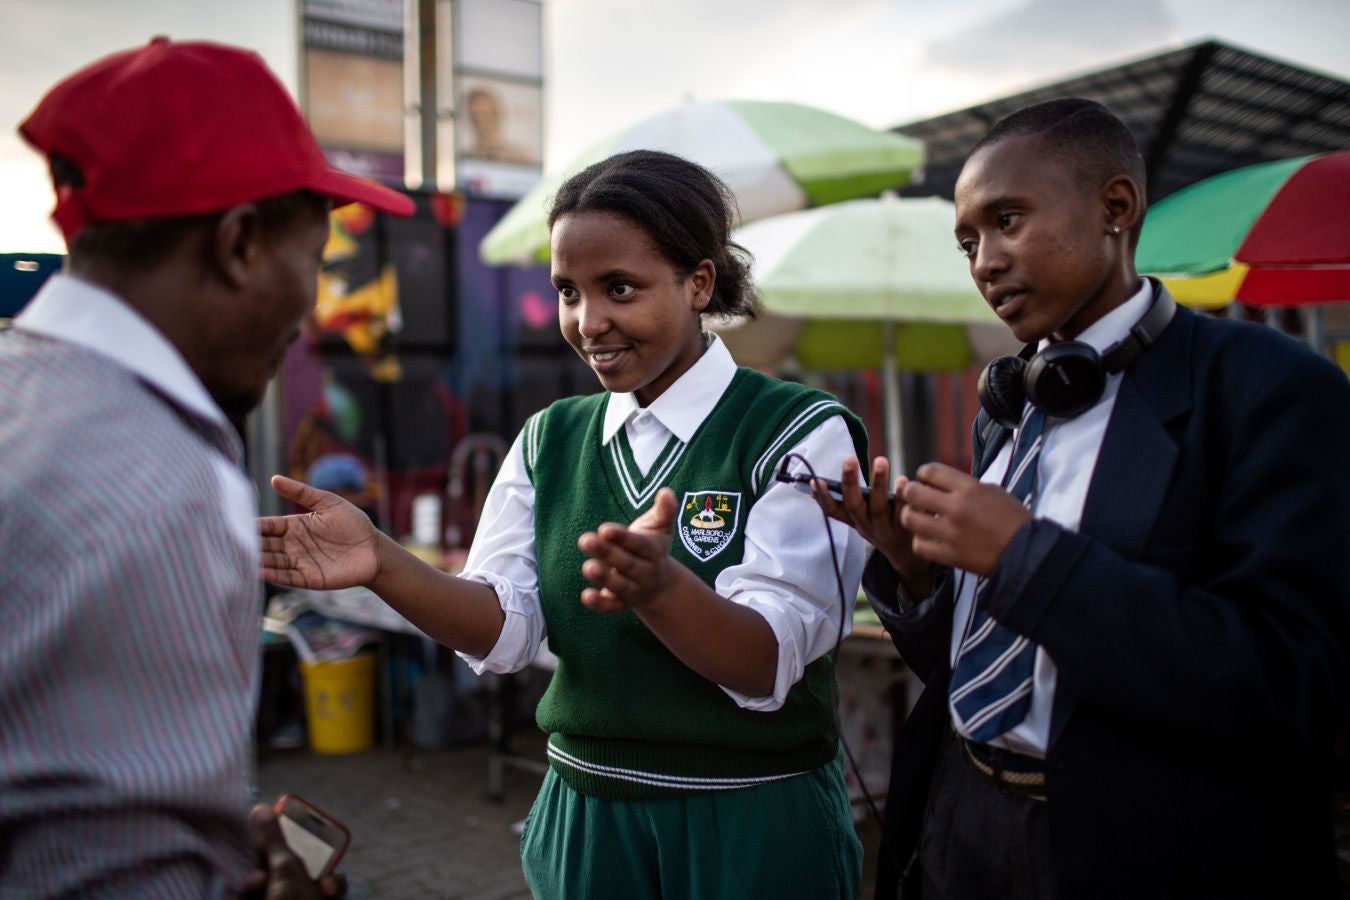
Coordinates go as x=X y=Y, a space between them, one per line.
x=612 y=62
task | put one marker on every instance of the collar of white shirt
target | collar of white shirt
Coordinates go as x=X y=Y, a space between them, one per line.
x=68 y=309
x=686 y=403
x=1113 y=327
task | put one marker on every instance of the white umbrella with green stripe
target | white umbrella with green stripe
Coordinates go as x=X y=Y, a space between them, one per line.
x=775 y=158
x=873 y=283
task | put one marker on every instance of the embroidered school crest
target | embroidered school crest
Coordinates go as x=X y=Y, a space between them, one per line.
x=708 y=521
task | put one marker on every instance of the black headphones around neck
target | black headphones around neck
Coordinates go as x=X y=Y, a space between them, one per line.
x=1067 y=377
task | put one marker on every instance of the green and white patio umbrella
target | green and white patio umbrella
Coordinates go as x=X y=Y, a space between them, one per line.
x=775 y=158
x=866 y=284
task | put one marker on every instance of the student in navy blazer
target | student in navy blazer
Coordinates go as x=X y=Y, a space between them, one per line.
x=1198 y=615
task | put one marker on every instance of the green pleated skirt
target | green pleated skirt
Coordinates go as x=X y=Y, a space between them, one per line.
x=786 y=839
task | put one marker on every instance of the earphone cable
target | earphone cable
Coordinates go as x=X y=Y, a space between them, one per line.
x=834 y=654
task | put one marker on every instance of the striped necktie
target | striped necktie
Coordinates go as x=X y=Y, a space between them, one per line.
x=992 y=679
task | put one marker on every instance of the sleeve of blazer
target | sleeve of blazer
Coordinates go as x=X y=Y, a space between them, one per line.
x=922 y=633
x=1255 y=651
x=921 y=628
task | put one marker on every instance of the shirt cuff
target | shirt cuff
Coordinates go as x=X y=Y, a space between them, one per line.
x=516 y=645
x=887 y=594
x=880 y=582
x=790 y=666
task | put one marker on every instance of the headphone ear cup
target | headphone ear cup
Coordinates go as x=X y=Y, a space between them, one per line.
x=1002 y=391
x=1065 y=379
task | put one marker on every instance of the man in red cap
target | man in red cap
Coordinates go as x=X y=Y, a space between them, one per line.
x=194 y=201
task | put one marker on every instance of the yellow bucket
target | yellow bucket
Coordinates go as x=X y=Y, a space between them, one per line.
x=340 y=704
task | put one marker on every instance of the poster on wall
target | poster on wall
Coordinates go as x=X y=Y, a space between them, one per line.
x=499 y=97
x=499 y=136
x=500 y=121
x=354 y=101
x=353 y=84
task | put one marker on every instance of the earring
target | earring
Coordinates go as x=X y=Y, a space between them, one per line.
x=1115 y=229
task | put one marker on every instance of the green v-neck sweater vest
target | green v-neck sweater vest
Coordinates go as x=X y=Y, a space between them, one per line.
x=626 y=719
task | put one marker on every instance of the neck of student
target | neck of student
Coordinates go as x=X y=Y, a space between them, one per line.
x=1114 y=292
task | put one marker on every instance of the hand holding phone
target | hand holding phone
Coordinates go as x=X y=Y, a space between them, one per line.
x=318 y=839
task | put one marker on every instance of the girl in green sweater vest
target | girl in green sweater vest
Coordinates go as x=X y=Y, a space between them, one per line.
x=691 y=718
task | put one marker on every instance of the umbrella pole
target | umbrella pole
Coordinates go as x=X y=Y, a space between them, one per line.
x=890 y=391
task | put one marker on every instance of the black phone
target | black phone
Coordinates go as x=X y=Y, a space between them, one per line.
x=802 y=482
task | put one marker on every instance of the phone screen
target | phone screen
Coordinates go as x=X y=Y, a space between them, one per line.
x=311 y=849
x=316 y=838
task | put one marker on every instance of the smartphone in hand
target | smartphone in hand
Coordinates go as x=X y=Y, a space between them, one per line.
x=318 y=839
x=802 y=482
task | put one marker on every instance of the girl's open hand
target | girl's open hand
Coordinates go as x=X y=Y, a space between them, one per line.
x=630 y=564
x=334 y=545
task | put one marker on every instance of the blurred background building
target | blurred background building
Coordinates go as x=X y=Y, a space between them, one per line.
x=416 y=346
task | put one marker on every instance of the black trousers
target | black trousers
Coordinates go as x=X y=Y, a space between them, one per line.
x=978 y=842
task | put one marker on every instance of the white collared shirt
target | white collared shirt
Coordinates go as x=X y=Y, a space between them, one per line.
x=786 y=575
x=72 y=310
x=1064 y=470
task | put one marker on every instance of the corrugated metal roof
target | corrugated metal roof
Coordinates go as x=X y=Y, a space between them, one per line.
x=1194 y=112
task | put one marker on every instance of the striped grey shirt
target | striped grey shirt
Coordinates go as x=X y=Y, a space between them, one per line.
x=129 y=612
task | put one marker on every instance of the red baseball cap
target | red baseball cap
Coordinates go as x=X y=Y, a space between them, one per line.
x=176 y=129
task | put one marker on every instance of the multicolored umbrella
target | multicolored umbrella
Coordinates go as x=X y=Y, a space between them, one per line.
x=1272 y=234
x=866 y=284
x=775 y=157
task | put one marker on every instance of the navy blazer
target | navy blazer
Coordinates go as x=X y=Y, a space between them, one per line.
x=1199 y=621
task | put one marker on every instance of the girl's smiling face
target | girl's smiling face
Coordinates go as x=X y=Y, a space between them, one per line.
x=623 y=306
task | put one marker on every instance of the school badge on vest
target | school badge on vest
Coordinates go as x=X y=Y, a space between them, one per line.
x=708 y=521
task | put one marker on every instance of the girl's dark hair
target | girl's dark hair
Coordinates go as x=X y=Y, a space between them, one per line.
x=685 y=209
